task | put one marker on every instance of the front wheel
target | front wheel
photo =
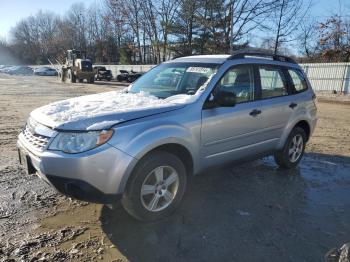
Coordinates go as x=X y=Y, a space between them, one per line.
x=156 y=187
x=293 y=150
x=61 y=76
x=71 y=76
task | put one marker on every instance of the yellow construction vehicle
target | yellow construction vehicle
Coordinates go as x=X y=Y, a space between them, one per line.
x=77 y=68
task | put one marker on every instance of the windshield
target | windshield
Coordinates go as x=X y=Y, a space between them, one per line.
x=171 y=79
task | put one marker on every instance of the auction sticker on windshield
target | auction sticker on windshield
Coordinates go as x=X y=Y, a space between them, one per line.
x=203 y=70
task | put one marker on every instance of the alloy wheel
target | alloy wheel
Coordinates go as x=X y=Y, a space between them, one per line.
x=159 y=188
x=295 y=148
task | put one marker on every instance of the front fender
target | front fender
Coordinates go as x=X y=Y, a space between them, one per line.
x=139 y=139
x=160 y=135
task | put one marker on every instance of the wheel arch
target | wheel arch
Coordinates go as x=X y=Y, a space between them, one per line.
x=305 y=126
x=181 y=151
x=303 y=123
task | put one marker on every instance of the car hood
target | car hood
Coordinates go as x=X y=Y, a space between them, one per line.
x=103 y=110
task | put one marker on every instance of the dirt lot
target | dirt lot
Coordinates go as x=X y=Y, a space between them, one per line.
x=250 y=212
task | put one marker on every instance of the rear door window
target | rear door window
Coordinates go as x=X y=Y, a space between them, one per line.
x=298 y=80
x=273 y=82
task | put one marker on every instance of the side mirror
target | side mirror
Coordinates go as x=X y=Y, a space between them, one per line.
x=225 y=99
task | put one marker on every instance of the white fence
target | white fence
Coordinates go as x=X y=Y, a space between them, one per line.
x=329 y=76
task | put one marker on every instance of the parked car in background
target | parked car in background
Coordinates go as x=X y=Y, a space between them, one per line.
x=19 y=70
x=102 y=73
x=179 y=119
x=128 y=76
x=4 y=68
x=45 y=71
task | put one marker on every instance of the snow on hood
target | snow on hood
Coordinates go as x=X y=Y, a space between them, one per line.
x=99 y=111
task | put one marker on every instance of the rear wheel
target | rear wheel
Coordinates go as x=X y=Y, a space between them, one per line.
x=293 y=150
x=91 y=80
x=156 y=186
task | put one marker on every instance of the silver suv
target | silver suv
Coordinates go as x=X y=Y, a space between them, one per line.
x=139 y=145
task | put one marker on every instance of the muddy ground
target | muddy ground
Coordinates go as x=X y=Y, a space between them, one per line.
x=248 y=212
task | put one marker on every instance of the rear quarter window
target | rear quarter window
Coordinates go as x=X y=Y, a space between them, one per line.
x=298 y=80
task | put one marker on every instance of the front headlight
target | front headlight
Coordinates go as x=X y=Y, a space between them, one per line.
x=79 y=142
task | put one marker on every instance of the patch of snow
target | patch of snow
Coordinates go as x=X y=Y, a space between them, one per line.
x=99 y=104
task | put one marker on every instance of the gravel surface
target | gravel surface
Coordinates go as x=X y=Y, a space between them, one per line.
x=248 y=212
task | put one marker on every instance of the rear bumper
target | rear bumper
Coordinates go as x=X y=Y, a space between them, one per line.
x=84 y=74
x=97 y=175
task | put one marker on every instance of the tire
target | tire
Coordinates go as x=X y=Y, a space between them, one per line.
x=71 y=76
x=284 y=158
x=167 y=195
x=91 y=80
x=61 y=76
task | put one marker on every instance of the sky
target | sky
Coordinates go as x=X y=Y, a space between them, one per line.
x=12 y=11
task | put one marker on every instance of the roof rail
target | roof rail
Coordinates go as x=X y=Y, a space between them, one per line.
x=243 y=54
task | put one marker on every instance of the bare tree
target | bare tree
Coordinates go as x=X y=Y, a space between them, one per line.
x=152 y=20
x=167 y=12
x=148 y=31
x=134 y=17
x=288 y=15
x=335 y=39
x=248 y=15
x=35 y=37
x=77 y=21
x=306 y=39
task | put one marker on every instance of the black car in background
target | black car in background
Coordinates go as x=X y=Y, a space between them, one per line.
x=102 y=73
x=128 y=76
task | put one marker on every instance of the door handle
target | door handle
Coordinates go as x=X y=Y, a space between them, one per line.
x=255 y=112
x=292 y=105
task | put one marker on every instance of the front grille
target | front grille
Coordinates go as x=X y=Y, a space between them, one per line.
x=37 y=141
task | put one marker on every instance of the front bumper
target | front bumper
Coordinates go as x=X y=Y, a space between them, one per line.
x=98 y=175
